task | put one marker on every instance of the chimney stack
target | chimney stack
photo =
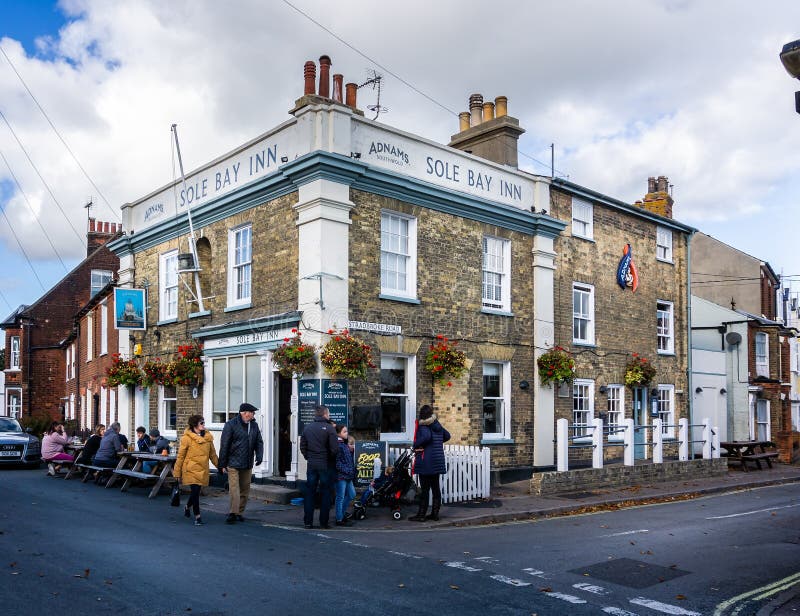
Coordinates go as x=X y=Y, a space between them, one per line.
x=99 y=233
x=488 y=131
x=325 y=76
x=657 y=200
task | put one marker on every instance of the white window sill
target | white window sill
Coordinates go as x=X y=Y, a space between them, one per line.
x=667 y=261
x=397 y=439
x=17 y=369
x=399 y=298
x=584 y=237
x=665 y=353
x=496 y=440
x=583 y=343
x=581 y=440
x=205 y=313
x=495 y=311
x=167 y=321
x=238 y=307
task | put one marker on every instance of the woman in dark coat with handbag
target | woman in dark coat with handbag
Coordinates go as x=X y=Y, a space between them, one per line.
x=429 y=462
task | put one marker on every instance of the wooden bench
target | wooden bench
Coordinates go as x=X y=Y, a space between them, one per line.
x=88 y=470
x=757 y=457
x=62 y=463
x=131 y=475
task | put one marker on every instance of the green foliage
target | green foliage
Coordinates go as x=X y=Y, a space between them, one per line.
x=345 y=356
x=556 y=366
x=294 y=357
x=638 y=371
x=444 y=361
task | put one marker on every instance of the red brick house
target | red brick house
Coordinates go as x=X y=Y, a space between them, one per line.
x=88 y=353
x=36 y=365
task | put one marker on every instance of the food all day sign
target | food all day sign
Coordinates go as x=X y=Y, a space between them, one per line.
x=365 y=455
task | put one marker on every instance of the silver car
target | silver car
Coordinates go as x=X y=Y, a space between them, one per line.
x=18 y=446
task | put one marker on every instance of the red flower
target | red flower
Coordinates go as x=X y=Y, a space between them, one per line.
x=449 y=384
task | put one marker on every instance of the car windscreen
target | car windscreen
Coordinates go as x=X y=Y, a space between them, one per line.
x=9 y=425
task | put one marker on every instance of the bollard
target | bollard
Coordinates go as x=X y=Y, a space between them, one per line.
x=706 y=439
x=562 y=445
x=683 y=438
x=658 y=442
x=597 y=443
x=628 y=438
x=715 y=442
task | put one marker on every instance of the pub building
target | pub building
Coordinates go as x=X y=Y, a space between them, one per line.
x=332 y=221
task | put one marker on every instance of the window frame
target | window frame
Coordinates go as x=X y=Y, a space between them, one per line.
x=234 y=267
x=410 y=291
x=504 y=397
x=12 y=364
x=504 y=303
x=762 y=367
x=587 y=232
x=670 y=335
x=103 y=274
x=665 y=246
x=165 y=301
x=620 y=390
x=589 y=318
x=89 y=337
x=411 y=399
x=756 y=423
x=8 y=408
x=585 y=433
x=210 y=372
x=666 y=396
x=103 y=309
x=163 y=424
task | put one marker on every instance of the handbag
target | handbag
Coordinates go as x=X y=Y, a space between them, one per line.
x=175 y=497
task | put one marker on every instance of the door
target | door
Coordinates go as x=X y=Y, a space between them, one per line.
x=639 y=419
x=282 y=429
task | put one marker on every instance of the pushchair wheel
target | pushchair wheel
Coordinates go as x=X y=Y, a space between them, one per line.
x=397 y=515
x=359 y=513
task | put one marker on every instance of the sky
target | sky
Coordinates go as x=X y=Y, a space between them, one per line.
x=624 y=89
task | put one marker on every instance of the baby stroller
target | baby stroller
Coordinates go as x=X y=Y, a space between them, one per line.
x=390 y=493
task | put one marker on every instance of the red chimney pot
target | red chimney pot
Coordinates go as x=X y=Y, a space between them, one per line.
x=324 y=76
x=310 y=75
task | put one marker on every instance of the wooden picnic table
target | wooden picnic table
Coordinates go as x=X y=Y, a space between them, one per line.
x=74 y=449
x=130 y=467
x=749 y=451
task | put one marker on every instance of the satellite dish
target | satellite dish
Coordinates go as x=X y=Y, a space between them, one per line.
x=733 y=338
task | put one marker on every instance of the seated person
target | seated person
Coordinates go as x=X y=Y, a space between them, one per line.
x=110 y=446
x=124 y=440
x=53 y=447
x=92 y=445
x=157 y=445
x=383 y=478
x=142 y=440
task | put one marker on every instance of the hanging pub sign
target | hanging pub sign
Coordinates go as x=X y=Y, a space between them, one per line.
x=627 y=276
x=129 y=309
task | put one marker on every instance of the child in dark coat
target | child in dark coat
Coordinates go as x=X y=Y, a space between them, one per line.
x=382 y=479
x=345 y=475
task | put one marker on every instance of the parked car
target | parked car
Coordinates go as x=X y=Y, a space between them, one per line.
x=17 y=446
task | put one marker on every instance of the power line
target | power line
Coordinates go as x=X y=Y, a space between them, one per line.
x=22 y=248
x=33 y=211
x=58 y=134
x=3 y=295
x=35 y=168
x=396 y=76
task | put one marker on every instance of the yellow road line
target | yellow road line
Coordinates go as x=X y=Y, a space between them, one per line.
x=795 y=577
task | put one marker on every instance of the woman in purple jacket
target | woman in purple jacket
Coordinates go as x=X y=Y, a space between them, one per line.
x=53 y=447
x=345 y=475
x=429 y=462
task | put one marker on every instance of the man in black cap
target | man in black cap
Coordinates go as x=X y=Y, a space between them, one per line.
x=241 y=440
x=319 y=446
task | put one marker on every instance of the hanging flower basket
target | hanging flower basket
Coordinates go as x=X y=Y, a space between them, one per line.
x=345 y=356
x=123 y=371
x=639 y=372
x=294 y=357
x=186 y=367
x=556 y=366
x=444 y=361
x=155 y=372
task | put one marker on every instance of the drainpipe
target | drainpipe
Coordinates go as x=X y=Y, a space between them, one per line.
x=689 y=393
x=77 y=375
x=28 y=374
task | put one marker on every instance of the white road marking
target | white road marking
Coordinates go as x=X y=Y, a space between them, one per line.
x=487 y=559
x=509 y=581
x=737 y=515
x=627 y=532
x=664 y=608
x=597 y=590
x=323 y=535
x=616 y=611
x=563 y=597
x=404 y=554
x=795 y=577
x=535 y=572
x=461 y=565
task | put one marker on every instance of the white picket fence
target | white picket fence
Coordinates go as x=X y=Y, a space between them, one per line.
x=467 y=476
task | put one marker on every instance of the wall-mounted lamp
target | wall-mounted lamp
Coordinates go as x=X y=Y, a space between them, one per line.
x=284 y=159
x=723 y=391
x=132 y=339
x=698 y=390
x=524 y=385
x=157 y=334
x=603 y=389
x=355 y=155
x=654 y=392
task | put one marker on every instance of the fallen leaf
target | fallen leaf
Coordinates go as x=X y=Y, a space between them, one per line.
x=14 y=564
x=109 y=582
x=673 y=566
x=86 y=573
x=224 y=594
x=453 y=586
x=15 y=573
x=546 y=589
x=401 y=585
x=586 y=574
x=288 y=562
x=680 y=597
x=633 y=543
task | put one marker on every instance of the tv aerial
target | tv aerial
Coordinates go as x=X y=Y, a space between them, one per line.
x=375 y=81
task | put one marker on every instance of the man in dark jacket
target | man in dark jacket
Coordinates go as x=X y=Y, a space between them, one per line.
x=241 y=440
x=319 y=446
x=110 y=446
